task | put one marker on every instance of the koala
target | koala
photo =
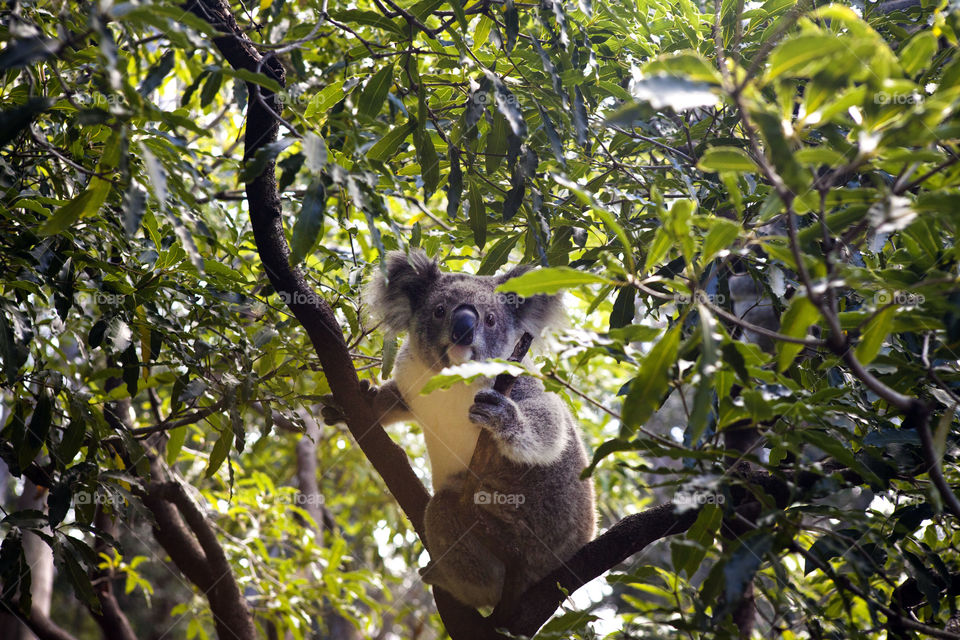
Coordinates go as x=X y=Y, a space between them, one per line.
x=493 y=532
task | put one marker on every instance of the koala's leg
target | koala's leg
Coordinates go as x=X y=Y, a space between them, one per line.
x=459 y=563
x=388 y=404
x=530 y=430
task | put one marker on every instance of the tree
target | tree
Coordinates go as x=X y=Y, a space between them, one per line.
x=751 y=210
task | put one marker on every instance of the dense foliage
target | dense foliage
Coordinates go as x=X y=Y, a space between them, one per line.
x=656 y=157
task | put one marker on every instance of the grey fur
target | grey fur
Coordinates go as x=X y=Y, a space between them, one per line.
x=531 y=510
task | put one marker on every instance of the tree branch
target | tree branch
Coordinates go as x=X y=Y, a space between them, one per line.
x=42 y=626
x=316 y=316
x=111 y=618
x=528 y=612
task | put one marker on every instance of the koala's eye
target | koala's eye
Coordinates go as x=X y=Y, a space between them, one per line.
x=490 y=320
x=439 y=311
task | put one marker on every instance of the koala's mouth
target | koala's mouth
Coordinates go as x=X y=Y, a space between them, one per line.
x=457 y=354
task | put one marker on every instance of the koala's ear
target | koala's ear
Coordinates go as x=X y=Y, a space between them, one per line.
x=534 y=313
x=399 y=287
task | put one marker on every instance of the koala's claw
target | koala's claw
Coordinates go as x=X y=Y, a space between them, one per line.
x=493 y=410
x=332 y=412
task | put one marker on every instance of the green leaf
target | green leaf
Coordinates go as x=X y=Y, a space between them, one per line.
x=426 y=152
x=247 y=75
x=156 y=74
x=605 y=216
x=369 y=19
x=614 y=226
x=72 y=440
x=86 y=204
x=324 y=100
x=221 y=449
x=389 y=357
x=265 y=155
x=702 y=534
x=820 y=156
x=37 y=430
x=771 y=127
x=579 y=116
x=16 y=119
x=726 y=159
x=511 y=21
x=658 y=249
x=496 y=143
x=803 y=54
x=686 y=64
x=497 y=256
x=556 y=144
x=916 y=55
x=743 y=564
x=478 y=215
x=309 y=224
x=509 y=106
x=663 y=91
x=721 y=235
x=796 y=321
x=375 y=93
x=458 y=12
x=175 y=443
x=82 y=587
x=58 y=503
x=470 y=371
x=514 y=197
x=875 y=333
x=609 y=447
x=703 y=397
x=210 y=88
x=387 y=146
x=428 y=159
x=624 y=308
x=647 y=388
x=550 y=281
x=20 y=53
x=454 y=181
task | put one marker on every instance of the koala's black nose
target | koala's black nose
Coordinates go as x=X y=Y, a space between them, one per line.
x=465 y=320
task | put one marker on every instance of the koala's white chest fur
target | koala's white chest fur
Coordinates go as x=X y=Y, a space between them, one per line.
x=443 y=415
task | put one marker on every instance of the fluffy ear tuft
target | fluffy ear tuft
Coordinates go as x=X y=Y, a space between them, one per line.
x=399 y=287
x=536 y=313
x=514 y=272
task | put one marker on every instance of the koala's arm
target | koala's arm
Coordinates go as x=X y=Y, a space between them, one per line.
x=531 y=426
x=389 y=404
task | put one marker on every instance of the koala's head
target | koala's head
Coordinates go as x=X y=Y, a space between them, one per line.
x=452 y=318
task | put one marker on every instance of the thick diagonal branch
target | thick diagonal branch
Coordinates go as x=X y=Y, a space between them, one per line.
x=313 y=312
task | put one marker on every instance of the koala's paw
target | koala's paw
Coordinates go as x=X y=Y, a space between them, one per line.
x=432 y=574
x=495 y=411
x=332 y=412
